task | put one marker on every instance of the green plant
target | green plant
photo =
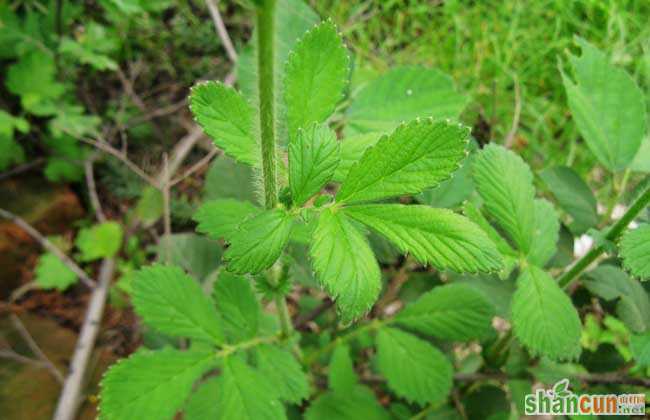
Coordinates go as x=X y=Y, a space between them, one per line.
x=242 y=364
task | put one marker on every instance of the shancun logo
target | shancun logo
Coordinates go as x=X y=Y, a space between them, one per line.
x=561 y=400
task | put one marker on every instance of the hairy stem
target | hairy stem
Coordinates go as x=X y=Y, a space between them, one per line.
x=265 y=23
x=614 y=232
x=265 y=64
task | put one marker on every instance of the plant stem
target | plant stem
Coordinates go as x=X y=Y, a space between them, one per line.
x=265 y=64
x=372 y=325
x=614 y=232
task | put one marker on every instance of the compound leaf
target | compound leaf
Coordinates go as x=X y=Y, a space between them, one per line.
x=573 y=195
x=151 y=384
x=403 y=94
x=220 y=218
x=505 y=183
x=51 y=273
x=436 y=236
x=635 y=250
x=227 y=118
x=258 y=241
x=452 y=312
x=172 y=302
x=607 y=106
x=543 y=317
x=313 y=158
x=315 y=76
x=237 y=305
x=416 y=156
x=283 y=372
x=352 y=148
x=345 y=264
x=246 y=394
x=414 y=369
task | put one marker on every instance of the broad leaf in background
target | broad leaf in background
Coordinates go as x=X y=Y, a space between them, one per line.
x=573 y=195
x=151 y=384
x=345 y=264
x=283 y=371
x=51 y=273
x=641 y=162
x=227 y=118
x=258 y=241
x=173 y=303
x=246 y=394
x=607 y=106
x=543 y=316
x=150 y=206
x=352 y=148
x=73 y=121
x=359 y=403
x=316 y=74
x=229 y=179
x=237 y=305
x=99 y=241
x=416 y=156
x=635 y=250
x=198 y=255
x=633 y=307
x=546 y=234
x=220 y=218
x=10 y=151
x=403 y=94
x=451 y=312
x=341 y=376
x=414 y=369
x=33 y=79
x=505 y=183
x=474 y=214
x=313 y=157
x=200 y=405
x=640 y=347
x=93 y=46
x=433 y=236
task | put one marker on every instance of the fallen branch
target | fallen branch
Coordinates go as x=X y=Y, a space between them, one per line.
x=45 y=243
x=31 y=343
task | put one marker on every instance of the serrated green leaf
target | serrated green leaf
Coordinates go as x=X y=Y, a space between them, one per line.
x=451 y=192
x=201 y=404
x=607 y=106
x=345 y=264
x=341 y=376
x=403 y=94
x=416 y=156
x=237 y=305
x=505 y=183
x=51 y=273
x=640 y=347
x=352 y=149
x=100 y=241
x=283 y=372
x=474 y=214
x=360 y=403
x=641 y=162
x=151 y=384
x=313 y=158
x=451 y=312
x=33 y=79
x=220 y=218
x=170 y=301
x=316 y=74
x=246 y=394
x=573 y=195
x=414 y=369
x=633 y=307
x=635 y=250
x=258 y=241
x=227 y=118
x=543 y=317
x=545 y=235
x=433 y=236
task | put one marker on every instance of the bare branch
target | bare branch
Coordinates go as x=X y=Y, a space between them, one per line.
x=27 y=337
x=510 y=138
x=45 y=243
x=92 y=189
x=198 y=165
x=221 y=30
